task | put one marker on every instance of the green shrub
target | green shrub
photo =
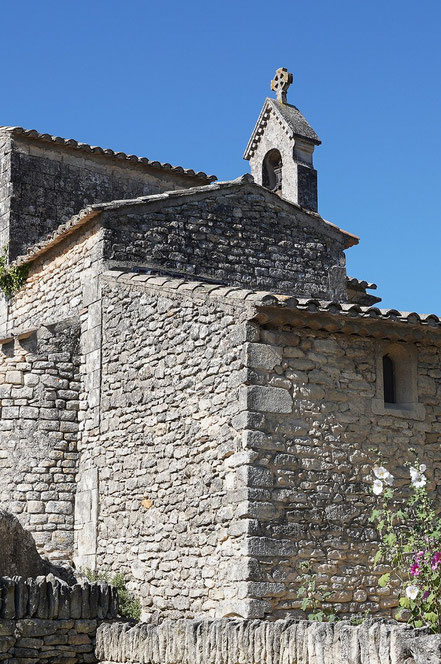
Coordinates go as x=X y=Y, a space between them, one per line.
x=129 y=606
x=12 y=278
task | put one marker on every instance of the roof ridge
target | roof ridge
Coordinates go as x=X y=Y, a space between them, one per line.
x=85 y=147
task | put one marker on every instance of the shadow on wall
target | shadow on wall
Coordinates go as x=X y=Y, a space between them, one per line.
x=19 y=555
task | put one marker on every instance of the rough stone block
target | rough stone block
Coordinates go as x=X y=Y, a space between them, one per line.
x=14 y=377
x=267 y=399
x=262 y=356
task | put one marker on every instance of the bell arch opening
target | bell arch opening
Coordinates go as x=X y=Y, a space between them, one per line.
x=272 y=171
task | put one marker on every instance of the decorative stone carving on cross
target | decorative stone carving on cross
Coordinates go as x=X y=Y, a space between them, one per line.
x=281 y=82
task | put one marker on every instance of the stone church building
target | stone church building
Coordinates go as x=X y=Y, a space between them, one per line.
x=191 y=384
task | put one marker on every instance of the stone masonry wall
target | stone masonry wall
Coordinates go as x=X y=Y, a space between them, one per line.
x=58 y=283
x=39 y=397
x=261 y=642
x=241 y=236
x=169 y=398
x=315 y=418
x=52 y=183
x=45 y=620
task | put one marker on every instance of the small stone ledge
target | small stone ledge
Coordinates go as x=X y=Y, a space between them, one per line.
x=409 y=411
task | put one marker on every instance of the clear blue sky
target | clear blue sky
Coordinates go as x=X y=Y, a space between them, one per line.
x=184 y=82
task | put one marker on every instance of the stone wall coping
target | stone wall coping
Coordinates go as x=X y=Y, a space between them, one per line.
x=107 y=152
x=317 y=314
x=228 y=641
x=92 y=211
x=48 y=597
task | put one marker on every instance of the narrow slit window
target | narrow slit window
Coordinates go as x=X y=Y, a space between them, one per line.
x=389 y=380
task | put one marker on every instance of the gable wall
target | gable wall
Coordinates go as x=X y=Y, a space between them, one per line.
x=239 y=238
x=315 y=421
x=58 y=283
x=51 y=184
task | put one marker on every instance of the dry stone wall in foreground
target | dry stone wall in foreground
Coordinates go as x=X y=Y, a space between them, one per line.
x=46 y=620
x=260 y=642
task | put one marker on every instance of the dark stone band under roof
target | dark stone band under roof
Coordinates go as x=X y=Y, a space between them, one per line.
x=93 y=210
x=85 y=147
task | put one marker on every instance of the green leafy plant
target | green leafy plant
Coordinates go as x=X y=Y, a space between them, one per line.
x=410 y=545
x=12 y=277
x=129 y=606
x=313 y=596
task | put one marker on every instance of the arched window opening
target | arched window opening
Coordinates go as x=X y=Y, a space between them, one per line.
x=389 y=380
x=272 y=171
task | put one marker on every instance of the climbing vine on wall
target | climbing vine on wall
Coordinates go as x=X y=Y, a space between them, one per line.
x=12 y=277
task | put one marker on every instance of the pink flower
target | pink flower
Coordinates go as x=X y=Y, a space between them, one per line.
x=436 y=560
x=418 y=556
x=415 y=569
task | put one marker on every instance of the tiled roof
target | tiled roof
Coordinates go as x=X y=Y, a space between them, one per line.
x=268 y=299
x=92 y=211
x=85 y=147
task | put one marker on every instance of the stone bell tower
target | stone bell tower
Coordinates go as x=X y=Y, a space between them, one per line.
x=281 y=146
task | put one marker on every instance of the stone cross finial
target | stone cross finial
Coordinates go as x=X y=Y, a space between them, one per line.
x=281 y=82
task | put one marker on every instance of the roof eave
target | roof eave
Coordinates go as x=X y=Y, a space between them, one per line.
x=72 y=144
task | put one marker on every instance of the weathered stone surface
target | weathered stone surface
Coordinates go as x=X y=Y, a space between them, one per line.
x=38 y=454
x=258 y=642
x=48 y=183
x=268 y=399
x=60 y=638
x=202 y=235
x=161 y=420
x=19 y=556
x=262 y=356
